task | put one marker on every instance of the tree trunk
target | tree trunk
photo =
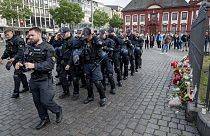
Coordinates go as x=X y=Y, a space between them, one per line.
x=13 y=26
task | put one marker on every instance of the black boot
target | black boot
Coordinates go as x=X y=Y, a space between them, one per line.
x=113 y=91
x=59 y=116
x=59 y=83
x=43 y=123
x=83 y=86
x=132 y=73
x=119 y=84
x=89 y=99
x=124 y=78
x=15 y=95
x=75 y=97
x=24 y=90
x=102 y=102
x=64 y=95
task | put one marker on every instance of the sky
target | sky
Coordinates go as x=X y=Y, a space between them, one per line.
x=121 y=3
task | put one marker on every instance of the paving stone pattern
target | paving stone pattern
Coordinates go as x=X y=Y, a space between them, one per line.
x=140 y=107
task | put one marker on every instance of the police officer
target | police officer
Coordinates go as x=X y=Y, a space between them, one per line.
x=124 y=60
x=106 y=65
x=65 y=57
x=14 y=48
x=76 y=67
x=81 y=68
x=41 y=61
x=91 y=54
x=56 y=42
x=133 y=41
x=116 y=54
x=138 y=52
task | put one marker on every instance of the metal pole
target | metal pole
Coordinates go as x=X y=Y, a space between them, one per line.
x=91 y=12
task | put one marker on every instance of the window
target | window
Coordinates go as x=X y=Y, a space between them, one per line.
x=184 y=15
x=134 y=28
x=173 y=29
x=183 y=28
x=165 y=16
x=142 y=29
x=142 y=18
x=127 y=19
x=164 y=30
x=174 y=16
x=154 y=17
x=135 y=18
x=127 y=27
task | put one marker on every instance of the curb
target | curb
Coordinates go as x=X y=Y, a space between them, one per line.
x=193 y=114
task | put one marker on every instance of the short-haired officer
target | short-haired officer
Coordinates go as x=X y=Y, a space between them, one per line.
x=40 y=60
x=14 y=48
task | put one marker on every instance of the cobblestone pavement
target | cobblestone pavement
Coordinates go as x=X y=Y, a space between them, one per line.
x=139 y=108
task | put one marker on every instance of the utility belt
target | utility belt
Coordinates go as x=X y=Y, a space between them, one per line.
x=64 y=61
x=41 y=76
x=92 y=61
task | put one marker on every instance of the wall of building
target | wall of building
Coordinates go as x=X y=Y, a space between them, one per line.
x=42 y=18
x=171 y=20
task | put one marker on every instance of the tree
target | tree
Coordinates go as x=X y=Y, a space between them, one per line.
x=14 y=9
x=100 y=18
x=67 y=12
x=116 y=21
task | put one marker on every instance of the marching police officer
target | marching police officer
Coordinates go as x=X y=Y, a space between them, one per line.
x=138 y=52
x=116 y=54
x=106 y=65
x=76 y=67
x=80 y=39
x=14 y=48
x=56 y=42
x=133 y=41
x=65 y=57
x=91 y=54
x=40 y=60
x=124 y=61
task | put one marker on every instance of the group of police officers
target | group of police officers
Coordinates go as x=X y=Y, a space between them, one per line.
x=88 y=57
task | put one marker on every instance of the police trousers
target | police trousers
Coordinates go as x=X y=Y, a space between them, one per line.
x=19 y=77
x=43 y=95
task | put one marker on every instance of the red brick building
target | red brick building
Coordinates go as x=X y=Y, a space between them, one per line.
x=152 y=16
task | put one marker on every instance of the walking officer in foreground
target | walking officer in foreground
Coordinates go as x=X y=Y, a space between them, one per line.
x=91 y=55
x=14 y=49
x=40 y=60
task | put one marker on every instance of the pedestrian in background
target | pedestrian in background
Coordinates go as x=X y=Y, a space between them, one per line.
x=147 y=41
x=184 y=42
x=152 y=40
x=166 y=43
x=159 y=39
x=206 y=42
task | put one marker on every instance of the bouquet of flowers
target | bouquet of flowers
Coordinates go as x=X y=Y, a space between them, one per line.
x=182 y=80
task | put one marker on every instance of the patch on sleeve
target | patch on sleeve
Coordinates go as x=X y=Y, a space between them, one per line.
x=53 y=58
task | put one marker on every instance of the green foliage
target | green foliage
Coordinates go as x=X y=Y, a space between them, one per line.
x=12 y=9
x=100 y=18
x=204 y=78
x=67 y=12
x=116 y=21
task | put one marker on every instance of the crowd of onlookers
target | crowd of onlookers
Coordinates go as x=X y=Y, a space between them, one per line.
x=167 y=41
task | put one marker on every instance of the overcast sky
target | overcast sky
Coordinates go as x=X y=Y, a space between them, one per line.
x=122 y=3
